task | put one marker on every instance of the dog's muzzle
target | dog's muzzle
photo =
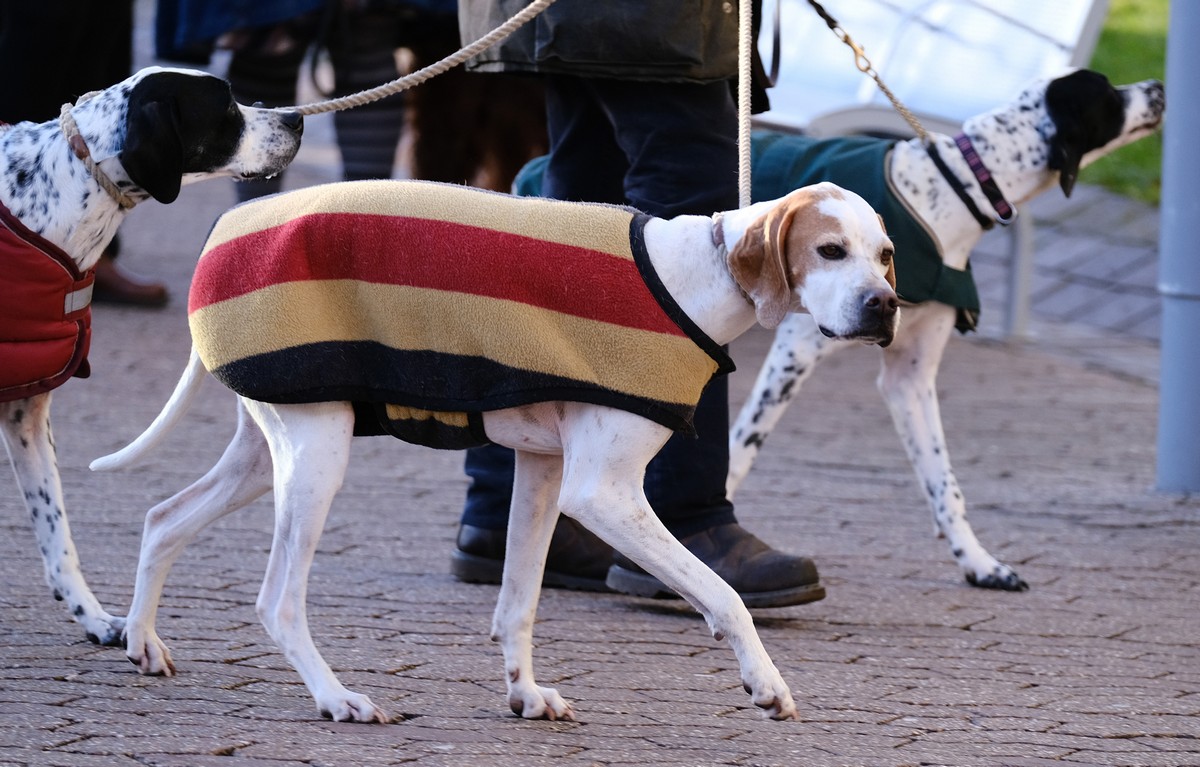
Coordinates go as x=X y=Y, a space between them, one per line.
x=877 y=317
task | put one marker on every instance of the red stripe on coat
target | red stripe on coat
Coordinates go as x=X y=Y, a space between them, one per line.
x=431 y=254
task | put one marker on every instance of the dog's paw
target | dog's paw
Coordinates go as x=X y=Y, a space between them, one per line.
x=104 y=629
x=352 y=707
x=146 y=651
x=779 y=709
x=774 y=698
x=1000 y=577
x=540 y=703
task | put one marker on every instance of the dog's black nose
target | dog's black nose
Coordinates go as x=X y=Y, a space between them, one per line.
x=881 y=303
x=292 y=120
x=1157 y=94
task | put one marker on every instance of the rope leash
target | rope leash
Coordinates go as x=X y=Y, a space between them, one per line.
x=80 y=148
x=1005 y=213
x=865 y=66
x=745 y=41
x=413 y=79
x=523 y=16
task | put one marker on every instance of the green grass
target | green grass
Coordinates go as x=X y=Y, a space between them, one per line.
x=1132 y=47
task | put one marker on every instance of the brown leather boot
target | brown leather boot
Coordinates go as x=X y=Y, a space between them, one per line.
x=577 y=559
x=114 y=286
x=762 y=576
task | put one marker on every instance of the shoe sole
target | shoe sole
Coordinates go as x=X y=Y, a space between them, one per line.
x=469 y=568
x=645 y=585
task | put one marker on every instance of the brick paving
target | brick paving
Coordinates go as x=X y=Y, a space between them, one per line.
x=903 y=664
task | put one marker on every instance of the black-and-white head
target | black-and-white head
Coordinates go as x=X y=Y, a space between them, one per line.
x=184 y=125
x=1092 y=118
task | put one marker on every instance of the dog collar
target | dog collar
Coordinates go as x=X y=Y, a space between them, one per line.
x=718 y=238
x=985 y=222
x=80 y=149
x=718 y=230
x=1005 y=213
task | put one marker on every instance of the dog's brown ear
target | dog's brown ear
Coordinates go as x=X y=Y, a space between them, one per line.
x=891 y=270
x=759 y=265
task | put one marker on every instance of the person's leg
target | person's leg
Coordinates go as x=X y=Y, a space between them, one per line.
x=585 y=163
x=265 y=67
x=664 y=154
x=363 y=53
x=578 y=130
x=577 y=559
x=681 y=141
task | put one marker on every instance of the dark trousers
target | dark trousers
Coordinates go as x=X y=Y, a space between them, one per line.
x=362 y=47
x=668 y=149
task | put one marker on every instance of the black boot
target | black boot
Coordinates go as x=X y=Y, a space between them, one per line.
x=577 y=559
x=762 y=576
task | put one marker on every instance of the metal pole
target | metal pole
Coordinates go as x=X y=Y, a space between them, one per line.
x=1179 y=261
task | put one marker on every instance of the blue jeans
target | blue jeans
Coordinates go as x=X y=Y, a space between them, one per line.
x=667 y=149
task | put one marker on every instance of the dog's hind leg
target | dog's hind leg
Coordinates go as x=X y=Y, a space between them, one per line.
x=310 y=449
x=797 y=348
x=908 y=383
x=25 y=428
x=242 y=474
x=604 y=466
x=530 y=527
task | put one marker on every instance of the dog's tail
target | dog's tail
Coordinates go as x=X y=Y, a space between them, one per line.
x=179 y=403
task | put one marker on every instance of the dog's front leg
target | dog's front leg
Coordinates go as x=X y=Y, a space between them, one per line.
x=310 y=449
x=798 y=346
x=604 y=466
x=530 y=527
x=908 y=383
x=25 y=426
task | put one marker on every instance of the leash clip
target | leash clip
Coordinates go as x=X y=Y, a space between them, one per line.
x=860 y=54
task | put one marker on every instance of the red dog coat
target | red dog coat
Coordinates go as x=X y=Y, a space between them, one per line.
x=45 y=313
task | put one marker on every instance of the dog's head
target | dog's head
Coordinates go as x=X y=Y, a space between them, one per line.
x=822 y=250
x=184 y=125
x=1091 y=118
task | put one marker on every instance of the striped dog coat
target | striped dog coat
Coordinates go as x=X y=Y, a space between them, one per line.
x=428 y=304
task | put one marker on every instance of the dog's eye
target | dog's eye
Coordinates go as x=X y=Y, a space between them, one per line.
x=832 y=252
x=886 y=256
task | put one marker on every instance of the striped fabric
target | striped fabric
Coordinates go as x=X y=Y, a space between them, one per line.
x=427 y=304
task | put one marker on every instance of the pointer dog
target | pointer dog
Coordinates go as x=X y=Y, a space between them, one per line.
x=1042 y=138
x=147 y=135
x=339 y=279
